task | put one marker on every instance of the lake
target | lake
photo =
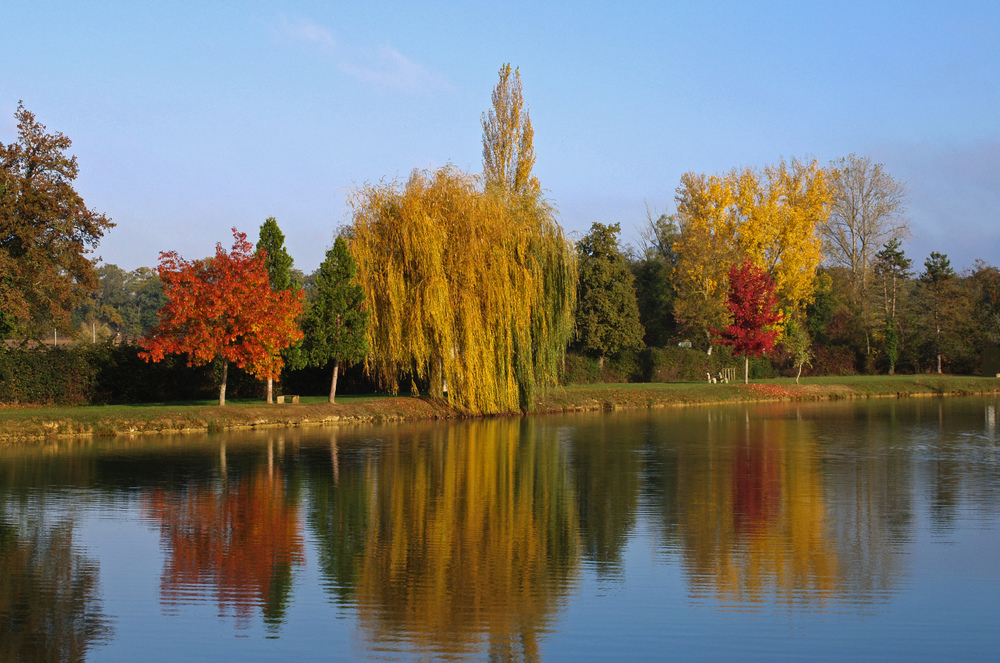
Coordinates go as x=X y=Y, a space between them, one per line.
x=860 y=530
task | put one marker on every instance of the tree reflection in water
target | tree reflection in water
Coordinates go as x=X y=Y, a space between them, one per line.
x=239 y=538
x=753 y=519
x=470 y=540
x=50 y=604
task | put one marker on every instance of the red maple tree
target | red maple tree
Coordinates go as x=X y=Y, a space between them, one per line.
x=754 y=308
x=224 y=307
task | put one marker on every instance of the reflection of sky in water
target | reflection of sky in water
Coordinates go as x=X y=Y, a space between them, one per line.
x=901 y=498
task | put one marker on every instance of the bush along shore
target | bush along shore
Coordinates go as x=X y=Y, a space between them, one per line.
x=46 y=423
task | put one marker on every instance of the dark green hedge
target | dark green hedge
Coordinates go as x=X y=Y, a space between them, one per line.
x=61 y=376
x=109 y=373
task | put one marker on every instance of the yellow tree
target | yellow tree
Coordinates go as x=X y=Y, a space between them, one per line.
x=465 y=288
x=769 y=216
x=470 y=282
x=508 y=139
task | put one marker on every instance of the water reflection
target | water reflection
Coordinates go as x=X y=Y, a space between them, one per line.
x=50 y=602
x=237 y=538
x=472 y=540
x=469 y=540
x=753 y=518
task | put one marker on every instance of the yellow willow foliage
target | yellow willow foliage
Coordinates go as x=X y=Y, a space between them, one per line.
x=473 y=537
x=771 y=216
x=476 y=288
x=755 y=522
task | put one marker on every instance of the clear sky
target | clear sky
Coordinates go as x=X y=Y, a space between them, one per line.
x=188 y=118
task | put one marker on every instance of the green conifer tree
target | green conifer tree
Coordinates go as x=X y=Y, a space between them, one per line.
x=335 y=326
x=279 y=272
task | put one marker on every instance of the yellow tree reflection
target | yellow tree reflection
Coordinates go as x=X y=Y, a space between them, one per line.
x=472 y=542
x=240 y=541
x=754 y=520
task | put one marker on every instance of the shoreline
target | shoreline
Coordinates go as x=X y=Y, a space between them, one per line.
x=40 y=424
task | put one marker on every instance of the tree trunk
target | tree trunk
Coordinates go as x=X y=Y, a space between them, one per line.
x=600 y=363
x=939 y=348
x=746 y=369
x=799 y=374
x=270 y=390
x=333 y=382
x=222 y=387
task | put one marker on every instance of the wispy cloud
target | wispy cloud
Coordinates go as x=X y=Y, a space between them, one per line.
x=307 y=32
x=386 y=67
x=381 y=67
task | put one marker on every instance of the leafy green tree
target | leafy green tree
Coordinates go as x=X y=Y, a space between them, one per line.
x=607 y=317
x=46 y=232
x=986 y=279
x=124 y=303
x=796 y=340
x=279 y=271
x=336 y=325
x=654 y=273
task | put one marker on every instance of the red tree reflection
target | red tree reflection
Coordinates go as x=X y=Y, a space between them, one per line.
x=240 y=540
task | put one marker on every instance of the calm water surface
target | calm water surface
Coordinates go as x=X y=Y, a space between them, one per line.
x=843 y=531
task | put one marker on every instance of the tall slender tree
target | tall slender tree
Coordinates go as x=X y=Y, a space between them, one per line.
x=508 y=139
x=336 y=324
x=892 y=268
x=271 y=245
x=938 y=279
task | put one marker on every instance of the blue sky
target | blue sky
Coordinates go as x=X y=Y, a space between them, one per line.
x=188 y=118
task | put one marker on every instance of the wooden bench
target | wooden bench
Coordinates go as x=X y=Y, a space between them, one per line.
x=285 y=398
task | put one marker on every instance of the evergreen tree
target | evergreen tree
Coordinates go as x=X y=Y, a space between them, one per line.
x=279 y=270
x=938 y=280
x=607 y=318
x=336 y=324
x=279 y=263
x=892 y=268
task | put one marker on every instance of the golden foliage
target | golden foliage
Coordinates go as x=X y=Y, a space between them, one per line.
x=771 y=217
x=473 y=533
x=472 y=287
x=508 y=139
x=756 y=523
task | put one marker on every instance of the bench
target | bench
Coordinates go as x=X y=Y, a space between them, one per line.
x=284 y=398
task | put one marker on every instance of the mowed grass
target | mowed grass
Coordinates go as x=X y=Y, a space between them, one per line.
x=206 y=415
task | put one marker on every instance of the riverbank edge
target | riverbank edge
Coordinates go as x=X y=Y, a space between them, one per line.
x=87 y=422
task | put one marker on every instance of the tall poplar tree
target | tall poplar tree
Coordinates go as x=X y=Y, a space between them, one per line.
x=335 y=327
x=508 y=139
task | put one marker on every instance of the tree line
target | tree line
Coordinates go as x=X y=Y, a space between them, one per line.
x=465 y=285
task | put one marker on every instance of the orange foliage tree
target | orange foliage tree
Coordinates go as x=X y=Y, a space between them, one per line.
x=224 y=307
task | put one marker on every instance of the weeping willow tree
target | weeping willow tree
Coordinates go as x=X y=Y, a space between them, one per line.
x=470 y=288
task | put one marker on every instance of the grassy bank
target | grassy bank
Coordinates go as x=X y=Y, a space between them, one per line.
x=200 y=416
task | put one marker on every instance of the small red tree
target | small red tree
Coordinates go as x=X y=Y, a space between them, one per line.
x=753 y=305
x=224 y=307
